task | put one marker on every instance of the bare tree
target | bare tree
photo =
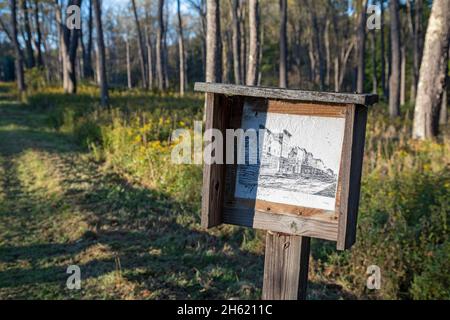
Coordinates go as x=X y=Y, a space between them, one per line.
x=403 y=75
x=129 y=80
x=200 y=7
x=373 y=41
x=38 y=40
x=394 y=80
x=361 y=45
x=101 y=54
x=142 y=58
x=213 y=42
x=6 y=30
x=253 y=56
x=181 y=52
x=382 y=46
x=283 y=44
x=236 y=39
x=443 y=116
x=31 y=62
x=432 y=72
x=326 y=38
x=68 y=42
x=17 y=51
x=160 y=47
x=416 y=28
x=88 y=71
x=148 y=28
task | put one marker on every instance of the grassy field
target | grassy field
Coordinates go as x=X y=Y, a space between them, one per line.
x=82 y=186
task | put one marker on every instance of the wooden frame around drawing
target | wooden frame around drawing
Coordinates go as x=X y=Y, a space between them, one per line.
x=224 y=105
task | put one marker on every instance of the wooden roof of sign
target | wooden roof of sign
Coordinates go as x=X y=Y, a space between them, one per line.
x=287 y=94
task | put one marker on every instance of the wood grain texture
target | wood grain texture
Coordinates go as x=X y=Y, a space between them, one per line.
x=300 y=108
x=286 y=94
x=289 y=224
x=344 y=176
x=281 y=208
x=353 y=153
x=286 y=266
x=359 y=140
x=217 y=110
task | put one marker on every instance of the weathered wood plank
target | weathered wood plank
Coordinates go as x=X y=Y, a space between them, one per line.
x=359 y=140
x=286 y=94
x=280 y=208
x=285 y=267
x=289 y=224
x=299 y=108
x=344 y=176
x=217 y=110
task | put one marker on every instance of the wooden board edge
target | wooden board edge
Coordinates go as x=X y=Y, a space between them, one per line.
x=281 y=223
x=286 y=94
x=344 y=179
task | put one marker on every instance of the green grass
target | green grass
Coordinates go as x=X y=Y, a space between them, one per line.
x=59 y=207
x=79 y=185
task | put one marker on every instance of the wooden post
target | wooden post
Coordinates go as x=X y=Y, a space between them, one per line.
x=286 y=267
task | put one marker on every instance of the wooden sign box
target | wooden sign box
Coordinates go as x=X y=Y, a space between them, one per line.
x=335 y=218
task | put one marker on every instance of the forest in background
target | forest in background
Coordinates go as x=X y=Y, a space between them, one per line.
x=85 y=155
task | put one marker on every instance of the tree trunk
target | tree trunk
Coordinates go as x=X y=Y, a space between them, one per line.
x=129 y=80
x=31 y=62
x=166 y=55
x=243 y=29
x=394 y=81
x=336 y=74
x=344 y=62
x=141 y=46
x=317 y=48
x=382 y=46
x=361 y=62
x=374 y=62
x=68 y=42
x=415 y=22
x=443 y=116
x=101 y=54
x=214 y=50
x=327 y=53
x=88 y=71
x=261 y=49
x=150 y=61
x=403 y=76
x=38 y=42
x=253 y=57
x=227 y=57
x=149 y=44
x=283 y=44
x=236 y=38
x=181 y=52
x=72 y=54
x=17 y=52
x=159 y=47
x=432 y=72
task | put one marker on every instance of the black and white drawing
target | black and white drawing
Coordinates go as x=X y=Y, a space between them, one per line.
x=298 y=159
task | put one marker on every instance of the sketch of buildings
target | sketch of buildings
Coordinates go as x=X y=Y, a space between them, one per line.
x=287 y=170
x=279 y=159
